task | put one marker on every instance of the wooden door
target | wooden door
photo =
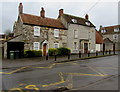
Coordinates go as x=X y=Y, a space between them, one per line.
x=44 y=50
x=85 y=47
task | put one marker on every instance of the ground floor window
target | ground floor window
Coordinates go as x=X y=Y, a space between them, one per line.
x=75 y=45
x=36 y=45
x=56 y=45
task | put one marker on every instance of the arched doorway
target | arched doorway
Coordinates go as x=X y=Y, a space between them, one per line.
x=44 y=49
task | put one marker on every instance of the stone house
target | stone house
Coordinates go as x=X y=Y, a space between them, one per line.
x=38 y=32
x=80 y=33
x=110 y=36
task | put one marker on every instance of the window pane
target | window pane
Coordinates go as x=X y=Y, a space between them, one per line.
x=36 y=31
x=56 y=33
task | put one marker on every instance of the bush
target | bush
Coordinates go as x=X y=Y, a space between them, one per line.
x=52 y=51
x=32 y=53
x=63 y=51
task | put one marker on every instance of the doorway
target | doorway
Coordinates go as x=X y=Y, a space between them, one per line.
x=44 y=49
x=85 y=47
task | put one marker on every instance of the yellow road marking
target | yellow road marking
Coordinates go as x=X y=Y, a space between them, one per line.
x=53 y=84
x=20 y=90
x=56 y=83
x=31 y=87
x=14 y=70
x=95 y=71
x=85 y=74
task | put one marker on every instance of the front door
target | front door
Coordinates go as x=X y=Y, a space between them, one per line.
x=44 y=49
x=85 y=47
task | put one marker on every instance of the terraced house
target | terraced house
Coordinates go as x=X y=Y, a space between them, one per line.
x=80 y=33
x=37 y=32
x=111 y=36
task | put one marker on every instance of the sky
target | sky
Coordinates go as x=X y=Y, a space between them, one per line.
x=101 y=12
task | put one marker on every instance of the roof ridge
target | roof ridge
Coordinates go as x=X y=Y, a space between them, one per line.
x=75 y=16
x=39 y=16
x=111 y=26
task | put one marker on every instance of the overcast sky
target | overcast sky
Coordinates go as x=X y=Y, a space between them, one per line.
x=101 y=12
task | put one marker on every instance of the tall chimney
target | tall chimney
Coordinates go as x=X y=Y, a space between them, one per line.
x=20 y=8
x=61 y=12
x=42 y=13
x=87 y=17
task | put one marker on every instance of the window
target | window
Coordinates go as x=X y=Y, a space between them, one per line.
x=116 y=29
x=75 y=45
x=87 y=23
x=36 y=31
x=56 y=45
x=75 y=34
x=74 y=20
x=36 y=45
x=115 y=36
x=103 y=31
x=56 y=32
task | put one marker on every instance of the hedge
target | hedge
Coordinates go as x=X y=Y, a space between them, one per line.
x=58 y=51
x=52 y=51
x=63 y=51
x=32 y=53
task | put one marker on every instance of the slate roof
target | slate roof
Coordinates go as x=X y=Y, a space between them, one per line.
x=39 y=21
x=99 y=38
x=80 y=21
x=110 y=29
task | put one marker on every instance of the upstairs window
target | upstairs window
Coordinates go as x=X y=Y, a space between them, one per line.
x=116 y=29
x=103 y=31
x=74 y=20
x=56 y=32
x=36 y=46
x=75 y=34
x=87 y=23
x=36 y=31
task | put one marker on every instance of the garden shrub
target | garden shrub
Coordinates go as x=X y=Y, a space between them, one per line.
x=63 y=51
x=52 y=51
x=32 y=53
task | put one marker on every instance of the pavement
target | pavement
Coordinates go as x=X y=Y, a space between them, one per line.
x=88 y=74
x=7 y=63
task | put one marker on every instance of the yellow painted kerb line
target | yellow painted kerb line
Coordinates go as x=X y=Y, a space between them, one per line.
x=14 y=70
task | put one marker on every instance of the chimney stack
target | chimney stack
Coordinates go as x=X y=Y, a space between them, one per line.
x=20 y=8
x=61 y=12
x=42 y=13
x=87 y=17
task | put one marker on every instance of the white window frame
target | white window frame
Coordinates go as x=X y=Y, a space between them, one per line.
x=38 y=47
x=87 y=23
x=75 y=48
x=74 y=20
x=116 y=36
x=56 y=32
x=56 y=44
x=75 y=33
x=36 y=31
x=116 y=29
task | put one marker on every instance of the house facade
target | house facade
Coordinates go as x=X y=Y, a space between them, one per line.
x=80 y=33
x=111 y=36
x=38 y=32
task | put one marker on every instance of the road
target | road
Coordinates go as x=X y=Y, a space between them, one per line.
x=90 y=74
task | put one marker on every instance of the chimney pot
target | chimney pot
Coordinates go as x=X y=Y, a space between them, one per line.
x=87 y=17
x=42 y=13
x=20 y=8
x=61 y=12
